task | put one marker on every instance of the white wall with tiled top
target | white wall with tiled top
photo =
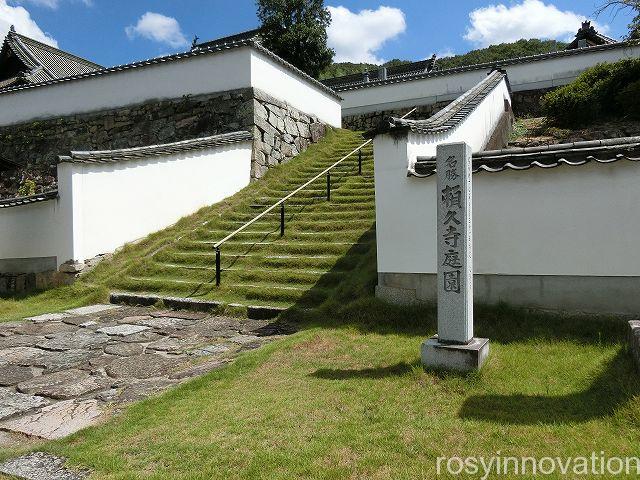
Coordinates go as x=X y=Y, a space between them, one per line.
x=534 y=75
x=102 y=206
x=236 y=68
x=403 y=206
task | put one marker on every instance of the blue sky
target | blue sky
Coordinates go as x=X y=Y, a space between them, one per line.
x=112 y=32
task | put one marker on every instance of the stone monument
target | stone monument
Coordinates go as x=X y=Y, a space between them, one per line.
x=455 y=347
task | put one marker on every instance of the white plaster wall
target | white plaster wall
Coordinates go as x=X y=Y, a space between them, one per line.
x=124 y=201
x=103 y=206
x=281 y=83
x=29 y=231
x=522 y=76
x=234 y=69
x=402 y=203
x=192 y=76
x=576 y=221
x=476 y=130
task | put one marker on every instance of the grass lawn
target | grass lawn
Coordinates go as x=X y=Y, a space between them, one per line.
x=79 y=294
x=346 y=397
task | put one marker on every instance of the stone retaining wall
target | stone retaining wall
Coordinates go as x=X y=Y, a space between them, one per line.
x=280 y=132
x=368 y=121
x=524 y=104
x=634 y=340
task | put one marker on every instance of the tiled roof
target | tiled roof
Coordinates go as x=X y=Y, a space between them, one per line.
x=419 y=74
x=17 y=202
x=548 y=156
x=112 y=156
x=44 y=62
x=450 y=116
x=248 y=35
x=211 y=50
x=588 y=32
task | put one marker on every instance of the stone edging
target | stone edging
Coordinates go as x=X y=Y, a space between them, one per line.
x=634 y=340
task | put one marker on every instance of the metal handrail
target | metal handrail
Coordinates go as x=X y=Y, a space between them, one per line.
x=280 y=202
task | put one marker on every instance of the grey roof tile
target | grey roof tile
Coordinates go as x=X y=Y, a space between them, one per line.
x=450 y=116
x=419 y=73
x=547 y=156
x=210 y=50
x=43 y=62
x=19 y=201
x=112 y=156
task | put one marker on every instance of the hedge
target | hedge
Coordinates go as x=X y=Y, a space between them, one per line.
x=604 y=91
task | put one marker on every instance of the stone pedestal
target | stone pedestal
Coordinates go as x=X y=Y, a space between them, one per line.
x=462 y=358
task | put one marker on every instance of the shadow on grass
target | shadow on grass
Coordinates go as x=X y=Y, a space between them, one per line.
x=351 y=303
x=615 y=386
x=396 y=370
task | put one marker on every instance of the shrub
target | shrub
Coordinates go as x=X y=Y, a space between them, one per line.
x=608 y=89
x=629 y=98
x=27 y=188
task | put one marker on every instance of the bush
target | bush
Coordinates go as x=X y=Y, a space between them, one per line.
x=629 y=96
x=27 y=188
x=606 y=90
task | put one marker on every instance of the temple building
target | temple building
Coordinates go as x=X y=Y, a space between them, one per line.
x=24 y=60
x=587 y=36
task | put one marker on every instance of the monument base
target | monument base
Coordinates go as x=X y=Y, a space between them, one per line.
x=462 y=358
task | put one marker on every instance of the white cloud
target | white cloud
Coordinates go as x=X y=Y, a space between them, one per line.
x=446 y=52
x=53 y=4
x=529 y=19
x=21 y=19
x=356 y=37
x=159 y=28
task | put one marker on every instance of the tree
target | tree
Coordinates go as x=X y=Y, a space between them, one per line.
x=296 y=30
x=620 y=5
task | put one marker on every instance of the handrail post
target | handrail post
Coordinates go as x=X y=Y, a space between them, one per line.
x=282 y=219
x=328 y=186
x=217 y=266
x=360 y=161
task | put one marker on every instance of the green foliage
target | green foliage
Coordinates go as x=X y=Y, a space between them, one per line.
x=27 y=188
x=494 y=53
x=605 y=90
x=503 y=51
x=296 y=30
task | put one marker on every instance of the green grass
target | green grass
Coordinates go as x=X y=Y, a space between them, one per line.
x=180 y=260
x=346 y=397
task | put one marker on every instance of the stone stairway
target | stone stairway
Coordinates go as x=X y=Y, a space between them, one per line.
x=323 y=241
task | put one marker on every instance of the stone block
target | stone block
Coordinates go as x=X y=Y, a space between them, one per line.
x=304 y=130
x=290 y=126
x=72 y=267
x=318 y=131
x=462 y=358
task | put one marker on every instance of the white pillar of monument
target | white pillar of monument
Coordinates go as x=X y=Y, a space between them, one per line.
x=455 y=347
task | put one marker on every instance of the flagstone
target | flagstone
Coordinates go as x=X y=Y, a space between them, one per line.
x=14 y=374
x=141 y=366
x=64 y=385
x=55 y=361
x=13 y=403
x=47 y=317
x=57 y=420
x=122 y=330
x=41 y=466
x=80 y=339
x=93 y=309
x=124 y=349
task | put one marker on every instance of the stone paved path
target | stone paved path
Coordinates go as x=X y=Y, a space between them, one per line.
x=60 y=373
